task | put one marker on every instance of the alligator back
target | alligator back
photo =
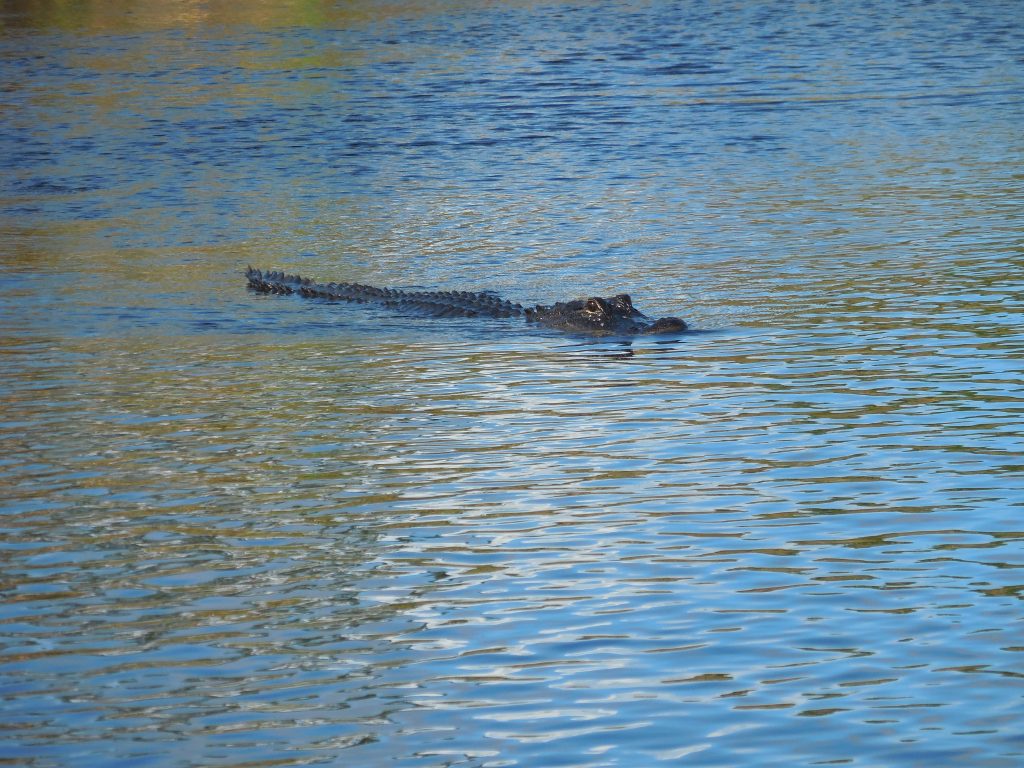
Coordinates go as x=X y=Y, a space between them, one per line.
x=434 y=303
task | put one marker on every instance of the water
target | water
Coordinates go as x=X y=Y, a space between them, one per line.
x=255 y=530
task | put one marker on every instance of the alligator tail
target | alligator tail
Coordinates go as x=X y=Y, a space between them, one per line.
x=436 y=303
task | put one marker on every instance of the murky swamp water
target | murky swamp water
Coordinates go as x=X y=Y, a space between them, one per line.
x=258 y=530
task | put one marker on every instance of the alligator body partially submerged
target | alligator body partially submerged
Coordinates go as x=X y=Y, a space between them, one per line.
x=594 y=315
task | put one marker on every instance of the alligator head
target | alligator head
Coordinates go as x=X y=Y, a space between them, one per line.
x=602 y=316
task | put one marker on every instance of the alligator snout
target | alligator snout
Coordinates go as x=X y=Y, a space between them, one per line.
x=666 y=325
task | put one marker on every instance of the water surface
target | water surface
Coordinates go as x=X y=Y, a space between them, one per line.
x=256 y=530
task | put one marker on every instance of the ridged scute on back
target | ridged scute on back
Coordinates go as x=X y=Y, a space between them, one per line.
x=434 y=303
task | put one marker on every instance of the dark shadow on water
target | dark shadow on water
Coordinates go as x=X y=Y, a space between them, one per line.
x=629 y=347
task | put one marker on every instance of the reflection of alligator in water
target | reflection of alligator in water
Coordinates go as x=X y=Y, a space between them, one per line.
x=593 y=315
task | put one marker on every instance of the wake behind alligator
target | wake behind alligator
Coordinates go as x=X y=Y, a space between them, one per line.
x=596 y=315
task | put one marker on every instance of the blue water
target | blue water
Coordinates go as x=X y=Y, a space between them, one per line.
x=246 y=530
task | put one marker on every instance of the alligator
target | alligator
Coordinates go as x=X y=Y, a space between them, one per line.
x=594 y=315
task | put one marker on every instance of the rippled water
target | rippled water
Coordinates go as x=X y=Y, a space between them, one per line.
x=256 y=530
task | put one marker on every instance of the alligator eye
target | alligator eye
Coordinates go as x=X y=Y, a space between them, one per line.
x=593 y=305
